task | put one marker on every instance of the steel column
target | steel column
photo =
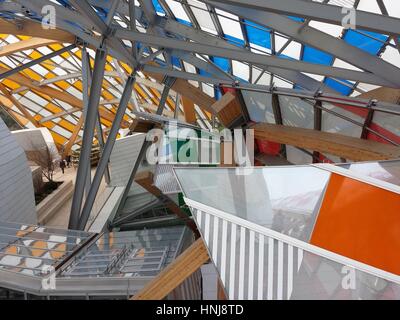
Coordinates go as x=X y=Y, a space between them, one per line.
x=317 y=126
x=87 y=139
x=86 y=78
x=168 y=82
x=102 y=165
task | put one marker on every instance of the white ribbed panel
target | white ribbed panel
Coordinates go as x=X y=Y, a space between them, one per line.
x=17 y=201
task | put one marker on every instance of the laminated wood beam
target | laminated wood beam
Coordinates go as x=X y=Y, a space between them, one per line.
x=32 y=43
x=58 y=94
x=73 y=137
x=185 y=89
x=20 y=107
x=189 y=111
x=325 y=142
x=145 y=179
x=175 y=273
x=228 y=109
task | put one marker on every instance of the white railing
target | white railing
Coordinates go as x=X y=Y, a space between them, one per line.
x=255 y=262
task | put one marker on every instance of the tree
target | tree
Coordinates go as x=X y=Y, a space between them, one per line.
x=43 y=157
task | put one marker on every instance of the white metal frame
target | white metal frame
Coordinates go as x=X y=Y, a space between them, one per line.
x=294 y=242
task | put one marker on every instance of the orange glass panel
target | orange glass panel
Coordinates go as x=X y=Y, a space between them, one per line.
x=361 y=222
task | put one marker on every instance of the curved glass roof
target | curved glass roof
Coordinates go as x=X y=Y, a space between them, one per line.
x=214 y=45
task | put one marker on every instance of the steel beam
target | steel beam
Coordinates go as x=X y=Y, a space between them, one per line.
x=276 y=108
x=86 y=79
x=87 y=139
x=196 y=34
x=102 y=165
x=36 y=61
x=323 y=12
x=341 y=73
x=169 y=81
x=317 y=126
x=317 y=39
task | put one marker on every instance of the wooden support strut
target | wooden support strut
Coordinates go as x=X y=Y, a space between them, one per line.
x=145 y=179
x=333 y=143
x=175 y=273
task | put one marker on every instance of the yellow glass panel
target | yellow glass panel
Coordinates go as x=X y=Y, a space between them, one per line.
x=107 y=95
x=32 y=74
x=49 y=125
x=53 y=108
x=63 y=84
x=10 y=84
x=35 y=54
x=66 y=125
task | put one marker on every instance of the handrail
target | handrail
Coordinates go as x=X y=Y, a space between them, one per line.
x=295 y=242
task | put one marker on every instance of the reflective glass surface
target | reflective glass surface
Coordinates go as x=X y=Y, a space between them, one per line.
x=33 y=249
x=388 y=171
x=285 y=199
x=127 y=254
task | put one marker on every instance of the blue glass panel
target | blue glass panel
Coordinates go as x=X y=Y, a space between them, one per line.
x=258 y=34
x=333 y=84
x=218 y=93
x=158 y=7
x=364 y=42
x=296 y=19
x=176 y=62
x=316 y=56
x=223 y=63
x=185 y=22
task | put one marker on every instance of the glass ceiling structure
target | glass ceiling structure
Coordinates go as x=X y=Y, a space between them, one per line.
x=86 y=69
x=325 y=55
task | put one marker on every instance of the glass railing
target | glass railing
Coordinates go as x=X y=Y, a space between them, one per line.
x=255 y=262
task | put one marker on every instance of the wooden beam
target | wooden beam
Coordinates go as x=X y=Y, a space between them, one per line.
x=20 y=107
x=382 y=94
x=175 y=273
x=228 y=109
x=185 y=89
x=58 y=94
x=32 y=43
x=74 y=136
x=189 y=111
x=325 y=142
x=143 y=126
x=145 y=179
x=59 y=114
x=35 y=29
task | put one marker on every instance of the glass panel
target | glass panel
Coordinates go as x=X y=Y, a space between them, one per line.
x=277 y=270
x=296 y=112
x=259 y=105
x=285 y=199
x=320 y=278
x=30 y=249
x=388 y=171
x=130 y=253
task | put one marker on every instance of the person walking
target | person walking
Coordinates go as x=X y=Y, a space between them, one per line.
x=62 y=165
x=68 y=161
